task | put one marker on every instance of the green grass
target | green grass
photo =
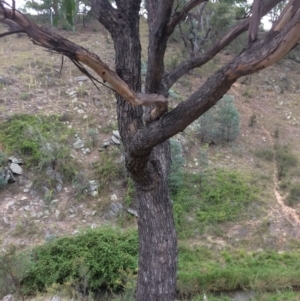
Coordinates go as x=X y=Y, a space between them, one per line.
x=210 y=199
x=202 y=270
x=40 y=141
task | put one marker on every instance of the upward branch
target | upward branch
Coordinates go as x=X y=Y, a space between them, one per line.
x=172 y=77
x=179 y=16
x=54 y=42
x=260 y=55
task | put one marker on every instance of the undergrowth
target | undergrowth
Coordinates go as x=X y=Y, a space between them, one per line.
x=41 y=141
x=211 y=199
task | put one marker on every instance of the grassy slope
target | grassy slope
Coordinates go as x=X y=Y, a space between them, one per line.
x=37 y=88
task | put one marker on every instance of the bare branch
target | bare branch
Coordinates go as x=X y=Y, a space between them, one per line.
x=261 y=55
x=170 y=78
x=10 y=33
x=42 y=37
x=182 y=14
x=254 y=21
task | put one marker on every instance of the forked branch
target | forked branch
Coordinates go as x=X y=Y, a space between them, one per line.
x=54 y=42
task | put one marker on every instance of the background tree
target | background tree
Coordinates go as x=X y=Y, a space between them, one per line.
x=146 y=144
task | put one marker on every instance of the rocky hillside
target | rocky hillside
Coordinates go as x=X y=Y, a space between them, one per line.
x=61 y=158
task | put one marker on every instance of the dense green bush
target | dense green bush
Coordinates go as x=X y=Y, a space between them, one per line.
x=265 y=154
x=220 y=124
x=217 y=197
x=103 y=253
x=294 y=196
x=39 y=140
x=285 y=160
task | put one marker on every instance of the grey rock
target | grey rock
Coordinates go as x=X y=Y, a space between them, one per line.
x=9 y=297
x=278 y=89
x=105 y=144
x=56 y=298
x=133 y=212
x=115 y=209
x=115 y=140
x=78 y=143
x=81 y=78
x=93 y=187
x=117 y=134
x=16 y=168
x=15 y=160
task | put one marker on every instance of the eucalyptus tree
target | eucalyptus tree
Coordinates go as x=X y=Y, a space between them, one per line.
x=145 y=123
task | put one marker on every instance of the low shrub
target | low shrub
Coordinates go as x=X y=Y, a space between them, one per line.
x=265 y=154
x=294 y=195
x=206 y=200
x=285 y=160
x=202 y=270
x=101 y=253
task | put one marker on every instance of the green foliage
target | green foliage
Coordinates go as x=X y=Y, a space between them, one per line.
x=14 y=268
x=285 y=160
x=265 y=154
x=221 y=123
x=294 y=196
x=34 y=138
x=99 y=255
x=202 y=270
x=108 y=168
x=205 y=26
x=130 y=192
x=176 y=172
x=215 y=198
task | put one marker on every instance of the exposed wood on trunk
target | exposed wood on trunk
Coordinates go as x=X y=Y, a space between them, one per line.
x=286 y=15
x=55 y=42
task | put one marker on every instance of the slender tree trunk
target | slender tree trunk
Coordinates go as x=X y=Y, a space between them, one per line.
x=149 y=171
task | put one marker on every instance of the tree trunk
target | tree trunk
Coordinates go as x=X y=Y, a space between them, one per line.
x=149 y=171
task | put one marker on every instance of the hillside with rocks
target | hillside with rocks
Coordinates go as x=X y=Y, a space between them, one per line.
x=62 y=166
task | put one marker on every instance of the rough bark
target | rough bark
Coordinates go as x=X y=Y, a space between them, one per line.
x=147 y=150
x=149 y=170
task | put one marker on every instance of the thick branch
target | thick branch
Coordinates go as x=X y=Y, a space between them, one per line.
x=54 y=42
x=105 y=13
x=254 y=21
x=170 y=78
x=286 y=15
x=261 y=55
x=182 y=14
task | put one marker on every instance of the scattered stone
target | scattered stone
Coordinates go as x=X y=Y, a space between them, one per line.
x=23 y=198
x=78 y=143
x=16 y=168
x=15 y=160
x=113 y=197
x=133 y=212
x=81 y=78
x=115 y=209
x=9 y=297
x=56 y=298
x=278 y=89
x=117 y=134
x=93 y=188
x=115 y=140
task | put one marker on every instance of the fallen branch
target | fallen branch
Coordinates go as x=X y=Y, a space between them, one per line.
x=54 y=42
